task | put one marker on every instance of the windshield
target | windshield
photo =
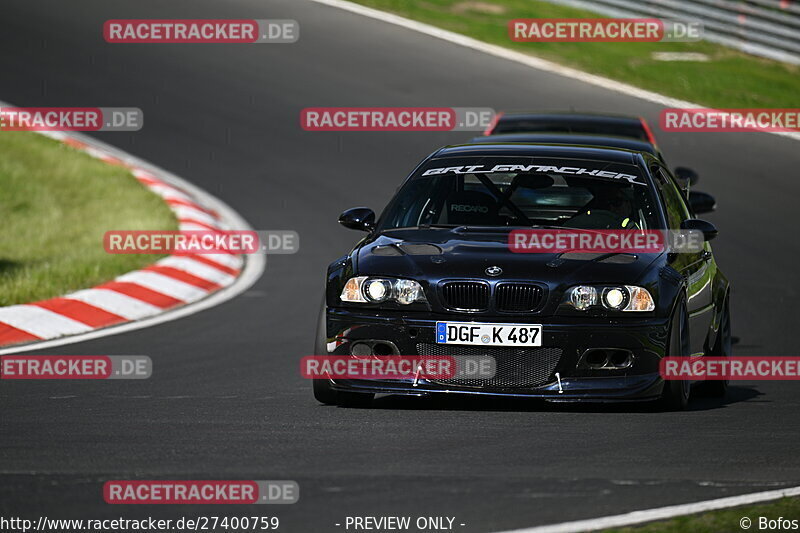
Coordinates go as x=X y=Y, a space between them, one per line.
x=524 y=192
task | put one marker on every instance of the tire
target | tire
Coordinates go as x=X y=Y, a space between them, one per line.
x=675 y=396
x=323 y=392
x=354 y=399
x=322 y=387
x=722 y=348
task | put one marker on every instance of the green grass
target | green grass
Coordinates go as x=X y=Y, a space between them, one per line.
x=55 y=205
x=731 y=79
x=725 y=521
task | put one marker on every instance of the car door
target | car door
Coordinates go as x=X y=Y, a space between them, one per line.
x=696 y=268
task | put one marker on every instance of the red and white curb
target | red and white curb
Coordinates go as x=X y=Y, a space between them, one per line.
x=172 y=287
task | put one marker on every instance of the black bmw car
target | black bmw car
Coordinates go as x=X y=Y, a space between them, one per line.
x=435 y=276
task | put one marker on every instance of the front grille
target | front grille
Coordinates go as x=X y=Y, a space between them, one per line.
x=516 y=367
x=518 y=297
x=466 y=295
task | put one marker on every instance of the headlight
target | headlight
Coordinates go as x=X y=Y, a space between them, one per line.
x=619 y=298
x=614 y=297
x=377 y=290
x=408 y=291
x=365 y=289
x=583 y=297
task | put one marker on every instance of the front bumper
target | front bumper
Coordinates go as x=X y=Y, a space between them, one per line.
x=566 y=341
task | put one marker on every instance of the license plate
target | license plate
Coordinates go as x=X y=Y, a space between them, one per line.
x=478 y=334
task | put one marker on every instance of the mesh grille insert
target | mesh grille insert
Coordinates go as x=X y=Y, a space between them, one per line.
x=516 y=367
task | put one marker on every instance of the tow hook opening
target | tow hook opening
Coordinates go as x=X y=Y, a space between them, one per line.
x=366 y=348
x=607 y=359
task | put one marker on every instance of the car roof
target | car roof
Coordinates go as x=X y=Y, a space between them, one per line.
x=569 y=115
x=571 y=122
x=629 y=143
x=617 y=155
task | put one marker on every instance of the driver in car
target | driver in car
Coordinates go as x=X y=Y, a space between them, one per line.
x=609 y=209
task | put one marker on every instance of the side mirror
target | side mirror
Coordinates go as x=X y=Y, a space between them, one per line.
x=702 y=202
x=687 y=175
x=360 y=218
x=696 y=224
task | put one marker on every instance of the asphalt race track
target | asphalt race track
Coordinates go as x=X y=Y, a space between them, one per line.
x=226 y=400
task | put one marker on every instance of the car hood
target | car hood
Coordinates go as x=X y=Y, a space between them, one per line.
x=436 y=254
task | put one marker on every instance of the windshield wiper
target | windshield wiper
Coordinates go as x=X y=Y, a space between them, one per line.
x=428 y=226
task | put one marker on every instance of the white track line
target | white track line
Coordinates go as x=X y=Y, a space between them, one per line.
x=661 y=513
x=518 y=57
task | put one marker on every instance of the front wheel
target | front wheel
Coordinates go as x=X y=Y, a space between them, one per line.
x=675 y=396
x=323 y=392
x=722 y=348
x=322 y=387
